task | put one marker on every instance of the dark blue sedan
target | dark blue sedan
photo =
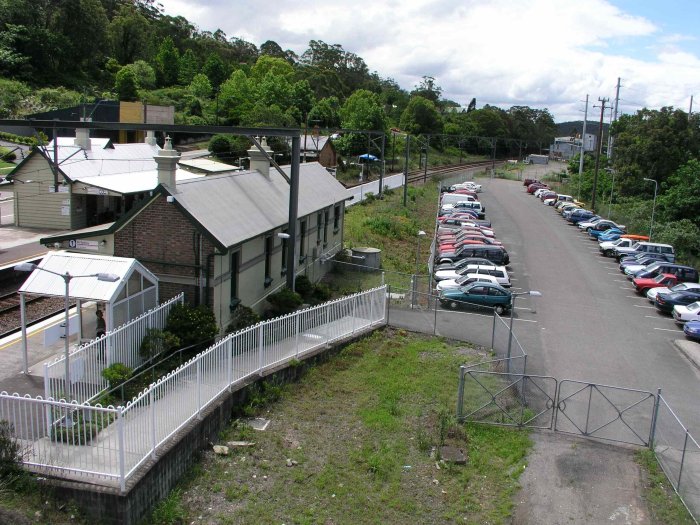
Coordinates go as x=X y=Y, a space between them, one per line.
x=692 y=330
x=666 y=301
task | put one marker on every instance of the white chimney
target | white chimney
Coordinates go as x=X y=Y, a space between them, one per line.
x=166 y=159
x=258 y=160
x=151 y=138
x=82 y=136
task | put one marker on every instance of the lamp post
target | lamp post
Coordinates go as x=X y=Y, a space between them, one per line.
x=653 y=207
x=420 y=234
x=67 y=277
x=533 y=293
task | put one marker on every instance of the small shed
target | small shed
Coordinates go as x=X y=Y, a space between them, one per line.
x=133 y=291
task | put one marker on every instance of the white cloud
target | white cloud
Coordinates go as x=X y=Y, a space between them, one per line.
x=542 y=53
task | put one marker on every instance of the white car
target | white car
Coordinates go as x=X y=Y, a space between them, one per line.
x=499 y=272
x=540 y=192
x=607 y=248
x=591 y=222
x=683 y=314
x=680 y=287
x=469 y=185
x=464 y=280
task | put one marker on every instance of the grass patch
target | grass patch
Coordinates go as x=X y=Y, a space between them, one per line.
x=663 y=503
x=361 y=430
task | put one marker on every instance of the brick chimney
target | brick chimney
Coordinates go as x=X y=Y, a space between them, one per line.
x=167 y=164
x=258 y=160
x=82 y=136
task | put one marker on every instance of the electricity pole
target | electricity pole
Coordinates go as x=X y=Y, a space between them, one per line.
x=613 y=119
x=598 y=150
x=583 y=149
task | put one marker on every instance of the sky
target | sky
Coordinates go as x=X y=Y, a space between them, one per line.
x=538 y=53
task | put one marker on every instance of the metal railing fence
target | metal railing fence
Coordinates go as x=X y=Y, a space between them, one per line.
x=106 y=445
x=87 y=362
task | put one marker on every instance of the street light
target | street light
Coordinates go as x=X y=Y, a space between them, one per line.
x=533 y=293
x=653 y=207
x=67 y=277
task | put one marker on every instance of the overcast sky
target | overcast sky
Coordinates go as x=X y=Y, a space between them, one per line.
x=539 y=53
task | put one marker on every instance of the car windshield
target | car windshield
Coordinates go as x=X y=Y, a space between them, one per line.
x=694 y=307
x=659 y=278
x=618 y=242
x=635 y=246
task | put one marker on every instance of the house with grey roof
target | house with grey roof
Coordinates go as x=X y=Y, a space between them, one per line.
x=222 y=238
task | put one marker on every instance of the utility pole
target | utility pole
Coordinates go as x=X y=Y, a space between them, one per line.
x=603 y=101
x=405 y=170
x=583 y=149
x=613 y=119
x=690 y=111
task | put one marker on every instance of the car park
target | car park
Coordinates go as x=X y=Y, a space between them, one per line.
x=665 y=302
x=464 y=280
x=684 y=314
x=478 y=294
x=680 y=287
x=691 y=330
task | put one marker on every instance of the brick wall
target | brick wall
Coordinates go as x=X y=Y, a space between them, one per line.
x=163 y=239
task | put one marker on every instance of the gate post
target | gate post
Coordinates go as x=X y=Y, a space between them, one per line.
x=680 y=470
x=654 y=416
x=460 y=393
x=493 y=330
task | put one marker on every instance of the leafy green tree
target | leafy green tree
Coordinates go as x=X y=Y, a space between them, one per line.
x=236 y=97
x=264 y=115
x=200 y=86
x=167 y=63
x=421 y=117
x=188 y=67
x=428 y=89
x=681 y=194
x=326 y=112
x=472 y=105
x=83 y=23
x=125 y=85
x=127 y=32
x=267 y=64
x=683 y=235
x=302 y=97
x=12 y=92
x=215 y=70
x=362 y=110
x=144 y=74
x=272 y=49
x=274 y=89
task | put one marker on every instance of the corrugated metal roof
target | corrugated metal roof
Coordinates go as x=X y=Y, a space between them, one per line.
x=236 y=207
x=207 y=165
x=134 y=182
x=78 y=264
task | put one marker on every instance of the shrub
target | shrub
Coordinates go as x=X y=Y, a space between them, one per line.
x=243 y=317
x=81 y=433
x=321 y=293
x=7 y=155
x=220 y=145
x=116 y=374
x=157 y=342
x=9 y=451
x=284 y=302
x=192 y=325
x=303 y=286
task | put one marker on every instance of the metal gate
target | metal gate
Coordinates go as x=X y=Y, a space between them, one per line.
x=606 y=412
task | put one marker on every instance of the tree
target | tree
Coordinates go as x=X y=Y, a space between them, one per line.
x=421 y=117
x=188 y=67
x=125 y=85
x=235 y=97
x=144 y=74
x=428 y=89
x=326 y=112
x=362 y=110
x=267 y=64
x=167 y=63
x=127 y=32
x=272 y=49
x=472 y=105
x=302 y=97
x=215 y=70
x=680 y=198
x=200 y=86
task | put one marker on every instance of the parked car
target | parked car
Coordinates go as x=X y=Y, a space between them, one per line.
x=532 y=188
x=567 y=209
x=601 y=227
x=579 y=215
x=647 y=247
x=589 y=222
x=635 y=237
x=499 y=272
x=464 y=280
x=691 y=330
x=462 y=263
x=666 y=301
x=478 y=294
x=680 y=287
x=527 y=182
x=496 y=254
x=607 y=248
x=681 y=272
x=683 y=314
x=643 y=284
x=639 y=262
x=612 y=234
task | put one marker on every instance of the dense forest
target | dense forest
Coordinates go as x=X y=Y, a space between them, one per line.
x=59 y=53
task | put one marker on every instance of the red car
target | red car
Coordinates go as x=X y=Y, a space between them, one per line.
x=527 y=182
x=643 y=284
x=472 y=239
x=532 y=188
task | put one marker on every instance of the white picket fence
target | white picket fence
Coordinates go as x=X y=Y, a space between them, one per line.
x=106 y=445
x=120 y=345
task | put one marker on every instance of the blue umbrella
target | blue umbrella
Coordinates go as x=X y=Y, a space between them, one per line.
x=367 y=156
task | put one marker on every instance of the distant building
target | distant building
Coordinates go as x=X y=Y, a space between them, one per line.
x=318 y=148
x=565 y=148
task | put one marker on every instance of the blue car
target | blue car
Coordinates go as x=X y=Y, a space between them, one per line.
x=605 y=234
x=692 y=330
x=580 y=216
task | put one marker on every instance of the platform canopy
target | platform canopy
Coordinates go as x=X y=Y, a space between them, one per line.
x=133 y=291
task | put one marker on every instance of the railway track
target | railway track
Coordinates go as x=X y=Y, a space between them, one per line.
x=420 y=175
x=11 y=301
